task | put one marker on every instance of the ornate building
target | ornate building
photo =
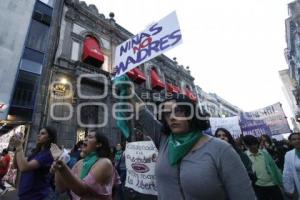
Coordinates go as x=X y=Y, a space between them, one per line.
x=75 y=91
x=291 y=77
x=215 y=105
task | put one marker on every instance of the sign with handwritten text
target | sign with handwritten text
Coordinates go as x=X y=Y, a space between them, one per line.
x=140 y=164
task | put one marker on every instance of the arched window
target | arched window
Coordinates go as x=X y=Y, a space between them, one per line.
x=92 y=53
x=172 y=88
x=156 y=82
x=137 y=75
x=189 y=93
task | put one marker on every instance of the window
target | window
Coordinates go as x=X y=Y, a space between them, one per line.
x=89 y=114
x=156 y=82
x=37 y=36
x=48 y=2
x=42 y=12
x=75 y=51
x=25 y=89
x=92 y=52
x=32 y=61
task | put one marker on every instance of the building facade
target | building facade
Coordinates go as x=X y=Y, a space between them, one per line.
x=35 y=22
x=14 y=20
x=291 y=76
x=65 y=72
x=215 y=105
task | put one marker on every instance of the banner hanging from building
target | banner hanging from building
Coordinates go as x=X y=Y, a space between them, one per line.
x=269 y=120
x=155 y=40
x=229 y=123
x=140 y=164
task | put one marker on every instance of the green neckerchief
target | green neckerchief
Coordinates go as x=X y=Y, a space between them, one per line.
x=180 y=144
x=297 y=152
x=88 y=162
x=118 y=155
x=272 y=168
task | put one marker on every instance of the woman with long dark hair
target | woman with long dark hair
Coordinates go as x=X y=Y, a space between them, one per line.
x=225 y=135
x=35 y=177
x=92 y=177
x=192 y=165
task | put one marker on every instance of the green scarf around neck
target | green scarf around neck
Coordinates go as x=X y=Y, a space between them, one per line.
x=180 y=144
x=88 y=162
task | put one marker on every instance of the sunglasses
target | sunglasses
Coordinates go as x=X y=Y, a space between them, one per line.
x=177 y=111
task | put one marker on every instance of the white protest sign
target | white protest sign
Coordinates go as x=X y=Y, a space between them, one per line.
x=5 y=139
x=155 y=40
x=229 y=123
x=140 y=164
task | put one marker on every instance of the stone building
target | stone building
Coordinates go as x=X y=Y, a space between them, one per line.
x=75 y=92
x=215 y=105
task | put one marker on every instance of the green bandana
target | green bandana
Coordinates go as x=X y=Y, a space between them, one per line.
x=297 y=151
x=88 y=162
x=118 y=155
x=180 y=144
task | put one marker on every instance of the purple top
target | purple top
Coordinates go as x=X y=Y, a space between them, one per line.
x=35 y=184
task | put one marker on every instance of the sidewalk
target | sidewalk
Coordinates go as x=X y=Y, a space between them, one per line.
x=11 y=194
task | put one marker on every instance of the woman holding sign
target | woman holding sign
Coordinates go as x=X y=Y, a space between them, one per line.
x=94 y=176
x=35 y=176
x=192 y=165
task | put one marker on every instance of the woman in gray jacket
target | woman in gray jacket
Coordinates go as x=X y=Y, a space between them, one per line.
x=191 y=165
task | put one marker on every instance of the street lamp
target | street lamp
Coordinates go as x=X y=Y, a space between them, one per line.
x=63 y=81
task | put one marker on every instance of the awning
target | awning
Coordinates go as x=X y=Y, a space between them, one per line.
x=137 y=75
x=190 y=95
x=92 y=53
x=157 y=84
x=172 y=88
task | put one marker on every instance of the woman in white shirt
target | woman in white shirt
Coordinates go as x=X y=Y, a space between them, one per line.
x=291 y=171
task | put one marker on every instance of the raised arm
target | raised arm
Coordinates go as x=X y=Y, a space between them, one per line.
x=65 y=179
x=151 y=126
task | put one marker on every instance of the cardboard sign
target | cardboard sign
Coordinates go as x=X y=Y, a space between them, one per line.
x=155 y=40
x=140 y=164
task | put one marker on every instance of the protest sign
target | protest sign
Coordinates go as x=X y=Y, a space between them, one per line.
x=155 y=40
x=229 y=123
x=140 y=164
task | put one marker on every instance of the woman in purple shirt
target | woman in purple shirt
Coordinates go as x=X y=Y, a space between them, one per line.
x=35 y=176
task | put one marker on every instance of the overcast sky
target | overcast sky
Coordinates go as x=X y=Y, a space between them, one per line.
x=234 y=48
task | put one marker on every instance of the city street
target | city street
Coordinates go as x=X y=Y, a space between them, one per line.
x=147 y=100
x=10 y=195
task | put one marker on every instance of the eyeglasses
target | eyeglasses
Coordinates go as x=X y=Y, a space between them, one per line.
x=178 y=112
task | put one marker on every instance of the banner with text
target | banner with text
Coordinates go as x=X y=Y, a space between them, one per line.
x=269 y=120
x=140 y=164
x=155 y=40
x=229 y=123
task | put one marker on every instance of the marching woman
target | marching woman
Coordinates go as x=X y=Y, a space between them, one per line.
x=225 y=135
x=94 y=176
x=291 y=170
x=35 y=176
x=192 y=165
